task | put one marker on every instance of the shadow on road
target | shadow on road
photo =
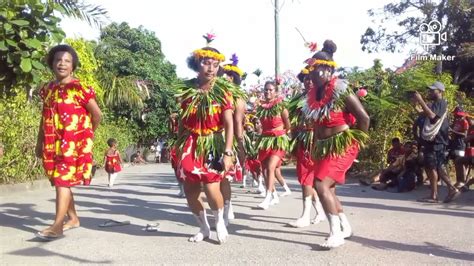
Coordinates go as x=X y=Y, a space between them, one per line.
x=427 y=249
x=41 y=252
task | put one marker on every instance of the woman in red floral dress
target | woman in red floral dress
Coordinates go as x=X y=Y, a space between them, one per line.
x=69 y=118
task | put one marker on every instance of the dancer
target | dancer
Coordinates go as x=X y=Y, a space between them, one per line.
x=69 y=118
x=335 y=109
x=303 y=142
x=234 y=74
x=252 y=164
x=205 y=151
x=112 y=161
x=273 y=142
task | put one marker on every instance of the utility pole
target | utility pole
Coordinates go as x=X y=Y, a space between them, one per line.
x=277 y=39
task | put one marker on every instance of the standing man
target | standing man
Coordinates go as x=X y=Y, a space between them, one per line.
x=434 y=136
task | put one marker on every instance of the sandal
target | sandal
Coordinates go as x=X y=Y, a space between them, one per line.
x=152 y=227
x=67 y=227
x=111 y=223
x=48 y=235
x=428 y=200
x=452 y=196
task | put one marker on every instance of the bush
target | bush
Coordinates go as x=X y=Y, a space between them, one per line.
x=19 y=122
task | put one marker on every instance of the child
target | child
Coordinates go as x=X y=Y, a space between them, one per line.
x=113 y=161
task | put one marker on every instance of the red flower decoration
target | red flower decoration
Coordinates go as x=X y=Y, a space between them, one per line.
x=361 y=92
x=270 y=104
x=209 y=37
x=278 y=80
x=328 y=94
x=312 y=46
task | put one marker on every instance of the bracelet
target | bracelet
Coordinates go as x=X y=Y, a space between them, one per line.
x=229 y=153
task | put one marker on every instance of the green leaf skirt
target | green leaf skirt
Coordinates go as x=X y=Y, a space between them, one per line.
x=337 y=145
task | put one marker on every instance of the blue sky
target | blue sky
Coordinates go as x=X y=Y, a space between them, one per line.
x=246 y=27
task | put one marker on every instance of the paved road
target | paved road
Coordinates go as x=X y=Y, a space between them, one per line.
x=389 y=228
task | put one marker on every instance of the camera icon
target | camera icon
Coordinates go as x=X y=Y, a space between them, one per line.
x=430 y=34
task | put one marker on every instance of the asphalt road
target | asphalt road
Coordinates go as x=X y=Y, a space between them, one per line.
x=389 y=228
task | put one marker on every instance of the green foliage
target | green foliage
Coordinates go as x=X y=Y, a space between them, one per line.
x=19 y=122
x=456 y=17
x=89 y=66
x=389 y=108
x=27 y=29
x=137 y=78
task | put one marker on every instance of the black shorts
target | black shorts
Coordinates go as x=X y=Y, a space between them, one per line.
x=435 y=158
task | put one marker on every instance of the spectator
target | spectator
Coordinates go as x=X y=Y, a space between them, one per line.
x=393 y=169
x=1 y=150
x=137 y=158
x=406 y=179
x=435 y=140
x=396 y=151
x=403 y=173
x=158 y=151
x=458 y=132
x=462 y=163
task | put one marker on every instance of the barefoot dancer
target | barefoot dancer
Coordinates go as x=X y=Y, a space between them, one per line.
x=303 y=139
x=334 y=109
x=69 y=118
x=273 y=142
x=205 y=150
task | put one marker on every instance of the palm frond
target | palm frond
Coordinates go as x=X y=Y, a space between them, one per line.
x=94 y=15
x=121 y=91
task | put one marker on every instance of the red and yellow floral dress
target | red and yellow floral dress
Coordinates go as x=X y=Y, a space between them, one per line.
x=202 y=144
x=112 y=163
x=272 y=141
x=68 y=133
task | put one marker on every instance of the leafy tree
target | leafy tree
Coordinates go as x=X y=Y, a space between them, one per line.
x=455 y=17
x=138 y=76
x=87 y=71
x=27 y=29
x=388 y=106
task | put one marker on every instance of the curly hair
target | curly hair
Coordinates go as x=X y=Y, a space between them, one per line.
x=111 y=142
x=63 y=48
x=273 y=83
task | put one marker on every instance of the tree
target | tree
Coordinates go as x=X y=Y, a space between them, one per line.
x=388 y=106
x=28 y=29
x=455 y=17
x=138 y=75
x=89 y=65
